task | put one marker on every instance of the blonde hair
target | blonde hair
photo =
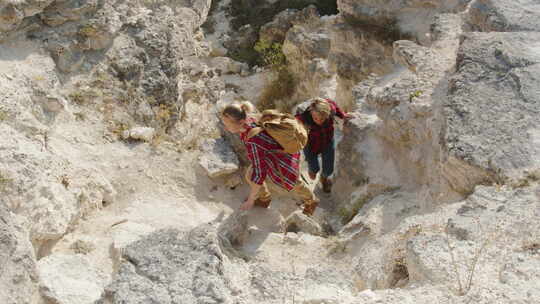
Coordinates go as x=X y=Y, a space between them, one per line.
x=238 y=111
x=321 y=106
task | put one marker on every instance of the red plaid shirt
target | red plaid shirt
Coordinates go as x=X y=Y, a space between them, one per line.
x=320 y=136
x=266 y=162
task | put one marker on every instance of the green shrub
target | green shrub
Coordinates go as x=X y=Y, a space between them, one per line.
x=281 y=84
x=271 y=54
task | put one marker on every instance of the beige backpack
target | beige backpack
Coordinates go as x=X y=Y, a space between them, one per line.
x=284 y=128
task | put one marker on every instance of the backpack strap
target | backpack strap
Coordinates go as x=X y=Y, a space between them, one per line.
x=254 y=131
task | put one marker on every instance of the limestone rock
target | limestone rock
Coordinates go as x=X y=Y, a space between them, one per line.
x=299 y=222
x=226 y=65
x=218 y=158
x=234 y=229
x=397 y=127
x=126 y=233
x=139 y=133
x=62 y=277
x=12 y=12
x=170 y=266
x=68 y=10
x=18 y=282
x=83 y=245
x=491 y=236
x=505 y=16
x=411 y=17
x=276 y=30
x=492 y=119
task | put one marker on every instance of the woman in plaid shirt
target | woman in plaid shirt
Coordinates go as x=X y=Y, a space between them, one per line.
x=283 y=169
x=319 y=120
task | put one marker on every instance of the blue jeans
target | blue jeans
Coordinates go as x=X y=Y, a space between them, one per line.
x=327 y=156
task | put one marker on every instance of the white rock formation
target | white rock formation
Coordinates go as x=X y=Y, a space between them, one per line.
x=139 y=133
x=70 y=279
x=218 y=158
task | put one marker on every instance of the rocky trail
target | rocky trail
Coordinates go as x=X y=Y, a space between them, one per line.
x=119 y=184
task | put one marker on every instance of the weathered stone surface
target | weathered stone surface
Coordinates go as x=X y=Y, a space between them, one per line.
x=505 y=16
x=226 y=65
x=170 y=266
x=276 y=30
x=61 y=12
x=128 y=233
x=323 y=55
x=139 y=133
x=18 y=282
x=410 y=17
x=475 y=247
x=398 y=125
x=494 y=102
x=485 y=239
x=299 y=222
x=70 y=279
x=234 y=229
x=12 y=12
x=218 y=158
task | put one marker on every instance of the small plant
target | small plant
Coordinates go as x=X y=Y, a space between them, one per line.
x=118 y=128
x=4 y=182
x=532 y=247
x=83 y=95
x=64 y=179
x=80 y=116
x=281 y=84
x=101 y=79
x=465 y=286
x=89 y=31
x=39 y=78
x=534 y=175
x=521 y=183
x=3 y=115
x=415 y=94
x=336 y=246
x=271 y=53
x=77 y=97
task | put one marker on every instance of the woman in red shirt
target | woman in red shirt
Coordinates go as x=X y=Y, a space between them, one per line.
x=319 y=120
x=283 y=169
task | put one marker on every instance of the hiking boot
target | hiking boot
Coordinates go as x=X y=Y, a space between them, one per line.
x=312 y=175
x=309 y=207
x=326 y=184
x=262 y=203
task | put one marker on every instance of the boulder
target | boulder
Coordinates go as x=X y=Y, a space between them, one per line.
x=12 y=12
x=493 y=104
x=129 y=232
x=276 y=30
x=218 y=158
x=399 y=17
x=68 y=10
x=70 y=279
x=299 y=222
x=504 y=16
x=226 y=65
x=139 y=133
x=170 y=266
x=18 y=282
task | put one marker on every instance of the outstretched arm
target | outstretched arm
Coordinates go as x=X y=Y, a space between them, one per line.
x=250 y=201
x=336 y=109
